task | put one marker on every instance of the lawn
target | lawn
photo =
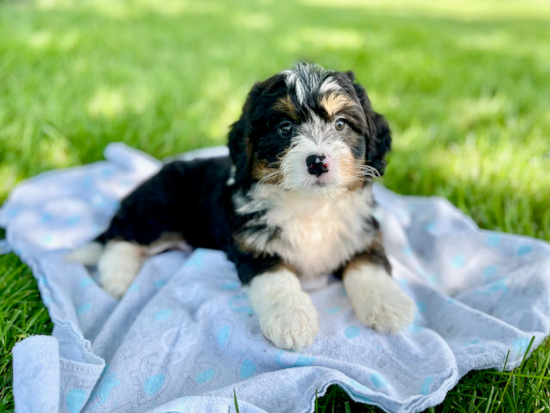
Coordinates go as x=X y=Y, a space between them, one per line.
x=464 y=85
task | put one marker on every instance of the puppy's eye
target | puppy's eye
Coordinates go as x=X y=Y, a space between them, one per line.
x=340 y=124
x=286 y=129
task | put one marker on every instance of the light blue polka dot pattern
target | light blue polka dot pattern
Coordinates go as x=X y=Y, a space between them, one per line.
x=378 y=380
x=429 y=227
x=421 y=306
x=497 y=286
x=493 y=240
x=333 y=310
x=290 y=359
x=12 y=212
x=196 y=260
x=74 y=220
x=240 y=304
x=86 y=282
x=107 y=172
x=46 y=239
x=134 y=287
x=408 y=250
x=230 y=286
x=426 y=385
x=153 y=384
x=458 y=261
x=46 y=218
x=75 y=400
x=87 y=182
x=84 y=308
x=205 y=376
x=160 y=283
x=248 y=368
x=523 y=250
x=303 y=361
x=414 y=327
x=162 y=315
x=520 y=345
x=353 y=385
x=352 y=332
x=489 y=271
x=222 y=337
x=105 y=388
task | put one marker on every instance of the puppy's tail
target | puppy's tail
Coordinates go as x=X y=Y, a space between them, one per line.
x=88 y=254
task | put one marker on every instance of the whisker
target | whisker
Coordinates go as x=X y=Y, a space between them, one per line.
x=367 y=170
x=269 y=176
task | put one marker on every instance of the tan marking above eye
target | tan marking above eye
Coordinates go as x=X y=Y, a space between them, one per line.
x=286 y=106
x=334 y=102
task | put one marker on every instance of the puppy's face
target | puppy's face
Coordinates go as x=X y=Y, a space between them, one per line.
x=309 y=130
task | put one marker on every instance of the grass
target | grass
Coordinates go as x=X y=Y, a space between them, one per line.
x=463 y=84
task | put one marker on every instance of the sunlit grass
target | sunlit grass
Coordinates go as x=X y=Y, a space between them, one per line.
x=464 y=85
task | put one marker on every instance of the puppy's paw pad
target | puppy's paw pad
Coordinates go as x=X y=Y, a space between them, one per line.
x=291 y=326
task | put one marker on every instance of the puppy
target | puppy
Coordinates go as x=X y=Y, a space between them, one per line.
x=293 y=201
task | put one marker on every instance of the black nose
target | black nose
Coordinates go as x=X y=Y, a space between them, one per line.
x=315 y=165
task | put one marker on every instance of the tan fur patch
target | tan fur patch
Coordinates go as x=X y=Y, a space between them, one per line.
x=286 y=106
x=374 y=254
x=168 y=241
x=334 y=102
x=349 y=172
x=261 y=171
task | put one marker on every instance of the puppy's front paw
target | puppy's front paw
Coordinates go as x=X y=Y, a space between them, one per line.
x=291 y=325
x=378 y=301
x=388 y=313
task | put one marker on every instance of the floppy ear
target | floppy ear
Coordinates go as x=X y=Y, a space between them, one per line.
x=380 y=143
x=378 y=138
x=240 y=146
x=239 y=150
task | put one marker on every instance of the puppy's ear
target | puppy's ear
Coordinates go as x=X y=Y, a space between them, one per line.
x=240 y=146
x=378 y=139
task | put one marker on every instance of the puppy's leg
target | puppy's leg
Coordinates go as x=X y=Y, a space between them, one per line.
x=376 y=298
x=287 y=315
x=119 y=265
x=150 y=212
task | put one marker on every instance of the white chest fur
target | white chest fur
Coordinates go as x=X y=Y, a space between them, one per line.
x=317 y=235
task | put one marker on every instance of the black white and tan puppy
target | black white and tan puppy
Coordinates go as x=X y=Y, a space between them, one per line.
x=292 y=202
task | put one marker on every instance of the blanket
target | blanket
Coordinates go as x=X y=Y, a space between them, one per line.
x=184 y=338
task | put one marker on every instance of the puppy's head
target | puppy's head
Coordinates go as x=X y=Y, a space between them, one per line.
x=309 y=130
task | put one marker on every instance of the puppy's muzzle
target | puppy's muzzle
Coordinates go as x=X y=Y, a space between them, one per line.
x=317 y=164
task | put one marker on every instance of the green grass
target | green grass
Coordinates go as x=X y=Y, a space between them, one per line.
x=464 y=86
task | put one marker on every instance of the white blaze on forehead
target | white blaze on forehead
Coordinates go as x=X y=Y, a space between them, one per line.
x=292 y=80
x=308 y=78
x=314 y=129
